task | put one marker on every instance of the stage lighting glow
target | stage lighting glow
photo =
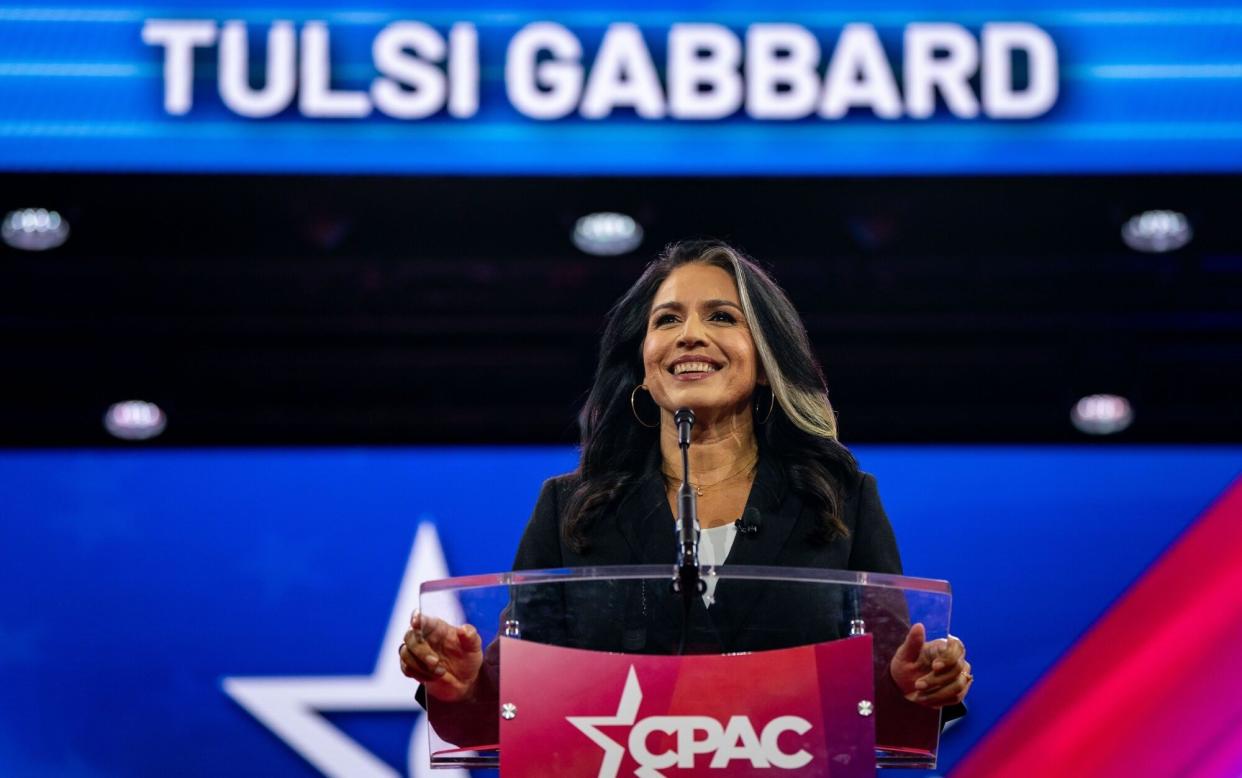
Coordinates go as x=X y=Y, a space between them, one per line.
x=34 y=229
x=1102 y=414
x=135 y=420
x=607 y=234
x=1155 y=232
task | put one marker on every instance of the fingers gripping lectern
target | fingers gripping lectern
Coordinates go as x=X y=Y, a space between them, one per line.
x=606 y=672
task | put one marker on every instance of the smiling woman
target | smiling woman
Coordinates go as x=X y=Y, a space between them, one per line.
x=718 y=335
x=697 y=332
x=699 y=354
x=706 y=328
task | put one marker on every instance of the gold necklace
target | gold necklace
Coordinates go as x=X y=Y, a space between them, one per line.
x=699 y=488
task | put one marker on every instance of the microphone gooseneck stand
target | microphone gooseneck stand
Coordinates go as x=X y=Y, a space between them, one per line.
x=686 y=580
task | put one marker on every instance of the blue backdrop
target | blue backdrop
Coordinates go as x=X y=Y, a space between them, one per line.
x=1144 y=85
x=136 y=582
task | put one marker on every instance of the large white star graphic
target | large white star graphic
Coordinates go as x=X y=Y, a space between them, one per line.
x=290 y=706
x=627 y=711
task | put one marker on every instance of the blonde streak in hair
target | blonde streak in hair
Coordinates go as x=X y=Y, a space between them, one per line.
x=809 y=411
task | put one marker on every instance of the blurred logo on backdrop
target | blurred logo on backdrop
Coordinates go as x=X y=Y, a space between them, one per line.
x=293 y=707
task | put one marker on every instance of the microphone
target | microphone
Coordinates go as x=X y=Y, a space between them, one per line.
x=687 y=580
x=749 y=523
x=684 y=418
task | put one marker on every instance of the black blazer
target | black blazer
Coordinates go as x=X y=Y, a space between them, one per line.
x=640 y=530
x=746 y=616
x=641 y=617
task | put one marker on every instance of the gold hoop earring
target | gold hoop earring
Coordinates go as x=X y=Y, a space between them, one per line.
x=634 y=406
x=771 y=406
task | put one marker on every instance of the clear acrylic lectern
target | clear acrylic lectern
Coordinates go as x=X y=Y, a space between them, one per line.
x=759 y=638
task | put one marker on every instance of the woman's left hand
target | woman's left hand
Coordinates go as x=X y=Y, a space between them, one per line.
x=933 y=673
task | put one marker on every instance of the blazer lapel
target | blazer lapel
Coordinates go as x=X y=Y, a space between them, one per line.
x=776 y=519
x=645 y=521
x=777 y=511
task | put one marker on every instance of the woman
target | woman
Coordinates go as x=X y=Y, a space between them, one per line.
x=705 y=328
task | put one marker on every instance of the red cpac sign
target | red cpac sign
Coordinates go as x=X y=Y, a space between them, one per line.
x=793 y=712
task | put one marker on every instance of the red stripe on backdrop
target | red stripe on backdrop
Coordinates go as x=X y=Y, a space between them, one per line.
x=1155 y=687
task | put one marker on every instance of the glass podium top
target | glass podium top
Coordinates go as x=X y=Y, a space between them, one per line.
x=633 y=610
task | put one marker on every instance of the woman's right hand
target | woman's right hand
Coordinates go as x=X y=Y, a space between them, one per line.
x=444 y=658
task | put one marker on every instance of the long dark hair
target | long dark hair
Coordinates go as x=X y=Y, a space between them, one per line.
x=800 y=433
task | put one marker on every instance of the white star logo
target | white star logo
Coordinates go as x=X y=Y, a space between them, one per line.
x=290 y=707
x=627 y=712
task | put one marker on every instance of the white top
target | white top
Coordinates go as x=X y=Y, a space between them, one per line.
x=714 y=545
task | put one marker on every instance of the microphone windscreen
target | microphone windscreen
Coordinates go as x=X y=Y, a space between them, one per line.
x=749 y=523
